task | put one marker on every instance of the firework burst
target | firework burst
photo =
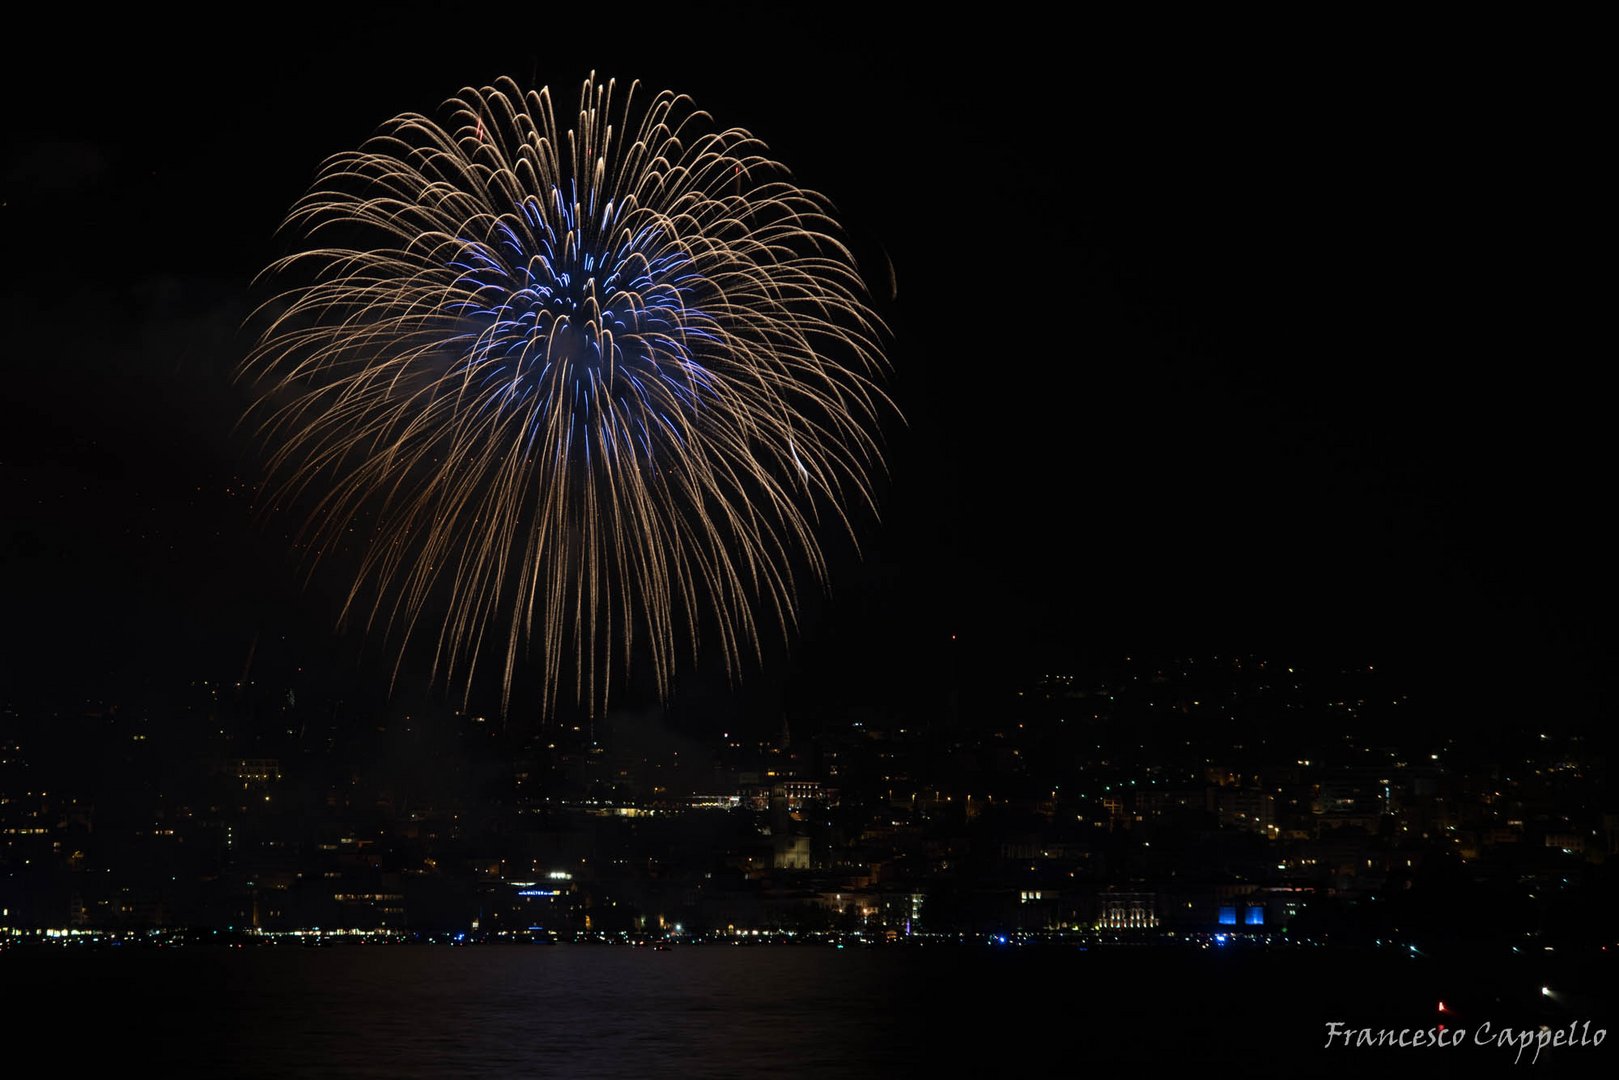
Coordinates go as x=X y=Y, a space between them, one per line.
x=589 y=387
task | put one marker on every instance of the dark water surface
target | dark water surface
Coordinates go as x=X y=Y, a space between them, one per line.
x=512 y=1011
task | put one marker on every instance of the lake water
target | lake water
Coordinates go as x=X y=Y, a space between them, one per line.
x=602 y=1011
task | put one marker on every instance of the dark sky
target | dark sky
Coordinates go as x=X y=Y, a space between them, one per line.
x=1214 y=337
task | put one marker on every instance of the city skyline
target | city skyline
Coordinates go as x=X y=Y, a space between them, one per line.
x=1206 y=795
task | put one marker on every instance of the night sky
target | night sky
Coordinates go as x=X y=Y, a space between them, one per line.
x=1209 y=338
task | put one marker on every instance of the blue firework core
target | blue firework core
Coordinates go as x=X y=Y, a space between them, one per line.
x=568 y=307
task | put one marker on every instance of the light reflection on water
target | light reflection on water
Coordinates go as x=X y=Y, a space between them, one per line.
x=605 y=1011
x=595 y=1011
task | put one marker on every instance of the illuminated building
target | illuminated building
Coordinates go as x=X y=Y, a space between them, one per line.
x=254 y=770
x=791 y=852
x=1127 y=911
